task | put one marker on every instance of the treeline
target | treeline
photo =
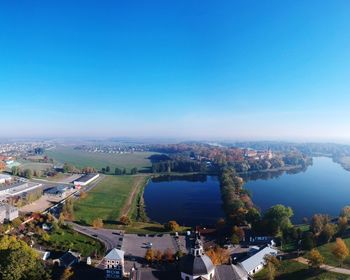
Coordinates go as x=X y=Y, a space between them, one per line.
x=179 y=166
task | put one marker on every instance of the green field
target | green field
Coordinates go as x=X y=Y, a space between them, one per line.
x=291 y=270
x=326 y=252
x=110 y=199
x=69 y=239
x=98 y=160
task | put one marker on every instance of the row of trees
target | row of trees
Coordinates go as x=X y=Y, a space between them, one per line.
x=158 y=256
x=27 y=173
x=179 y=165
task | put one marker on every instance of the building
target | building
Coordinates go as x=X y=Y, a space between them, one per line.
x=7 y=212
x=86 y=179
x=113 y=264
x=68 y=259
x=256 y=262
x=58 y=191
x=197 y=265
x=18 y=188
x=5 y=178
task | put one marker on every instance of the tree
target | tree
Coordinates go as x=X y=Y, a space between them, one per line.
x=97 y=223
x=124 y=171
x=278 y=218
x=108 y=169
x=68 y=209
x=318 y=222
x=315 y=259
x=171 y=226
x=18 y=261
x=118 y=171
x=133 y=171
x=308 y=241
x=69 y=168
x=218 y=255
x=239 y=232
x=61 y=220
x=149 y=255
x=15 y=170
x=342 y=224
x=328 y=232
x=271 y=264
x=340 y=250
x=67 y=274
x=125 y=220
x=28 y=173
x=168 y=255
x=345 y=212
x=158 y=256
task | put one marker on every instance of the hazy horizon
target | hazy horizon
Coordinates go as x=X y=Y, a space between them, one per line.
x=190 y=70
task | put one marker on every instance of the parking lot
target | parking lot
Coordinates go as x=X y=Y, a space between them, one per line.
x=136 y=245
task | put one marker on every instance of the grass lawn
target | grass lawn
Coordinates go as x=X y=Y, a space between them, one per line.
x=69 y=239
x=148 y=228
x=326 y=252
x=110 y=199
x=98 y=160
x=37 y=166
x=291 y=270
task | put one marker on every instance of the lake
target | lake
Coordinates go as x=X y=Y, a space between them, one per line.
x=189 y=200
x=323 y=188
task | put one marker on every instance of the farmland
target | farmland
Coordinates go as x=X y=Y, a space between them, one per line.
x=98 y=160
x=110 y=199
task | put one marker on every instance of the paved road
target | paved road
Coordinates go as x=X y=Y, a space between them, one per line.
x=111 y=238
x=326 y=267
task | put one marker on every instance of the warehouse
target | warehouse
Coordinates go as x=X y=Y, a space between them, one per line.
x=86 y=179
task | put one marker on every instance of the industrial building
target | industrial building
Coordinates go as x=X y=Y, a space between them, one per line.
x=86 y=179
x=7 y=212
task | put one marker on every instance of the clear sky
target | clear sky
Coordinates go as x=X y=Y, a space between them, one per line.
x=189 y=69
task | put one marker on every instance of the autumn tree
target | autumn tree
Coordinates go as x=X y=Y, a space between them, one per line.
x=149 y=256
x=318 y=222
x=125 y=220
x=218 y=255
x=68 y=209
x=345 y=212
x=315 y=259
x=18 y=261
x=328 y=232
x=171 y=226
x=342 y=224
x=272 y=264
x=97 y=223
x=340 y=250
x=158 y=256
x=67 y=274
x=168 y=255
x=239 y=232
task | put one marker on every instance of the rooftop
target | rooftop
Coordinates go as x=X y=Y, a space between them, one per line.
x=86 y=177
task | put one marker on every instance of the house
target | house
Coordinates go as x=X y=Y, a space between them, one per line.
x=7 y=212
x=113 y=264
x=68 y=259
x=85 y=180
x=256 y=262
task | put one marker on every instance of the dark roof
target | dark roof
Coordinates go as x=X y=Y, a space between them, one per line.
x=196 y=265
x=232 y=272
x=85 y=177
x=68 y=259
x=150 y=274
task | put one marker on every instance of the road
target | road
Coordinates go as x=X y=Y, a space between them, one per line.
x=111 y=238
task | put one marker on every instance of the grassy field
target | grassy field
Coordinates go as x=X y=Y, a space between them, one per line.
x=326 y=252
x=291 y=270
x=98 y=160
x=110 y=199
x=69 y=239
x=37 y=166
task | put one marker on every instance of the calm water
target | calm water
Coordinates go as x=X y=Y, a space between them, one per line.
x=194 y=201
x=323 y=188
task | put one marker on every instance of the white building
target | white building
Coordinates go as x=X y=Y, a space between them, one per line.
x=7 y=212
x=114 y=264
x=86 y=179
x=197 y=265
x=18 y=188
x=256 y=262
x=5 y=178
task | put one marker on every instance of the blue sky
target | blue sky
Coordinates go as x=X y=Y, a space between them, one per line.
x=187 y=69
